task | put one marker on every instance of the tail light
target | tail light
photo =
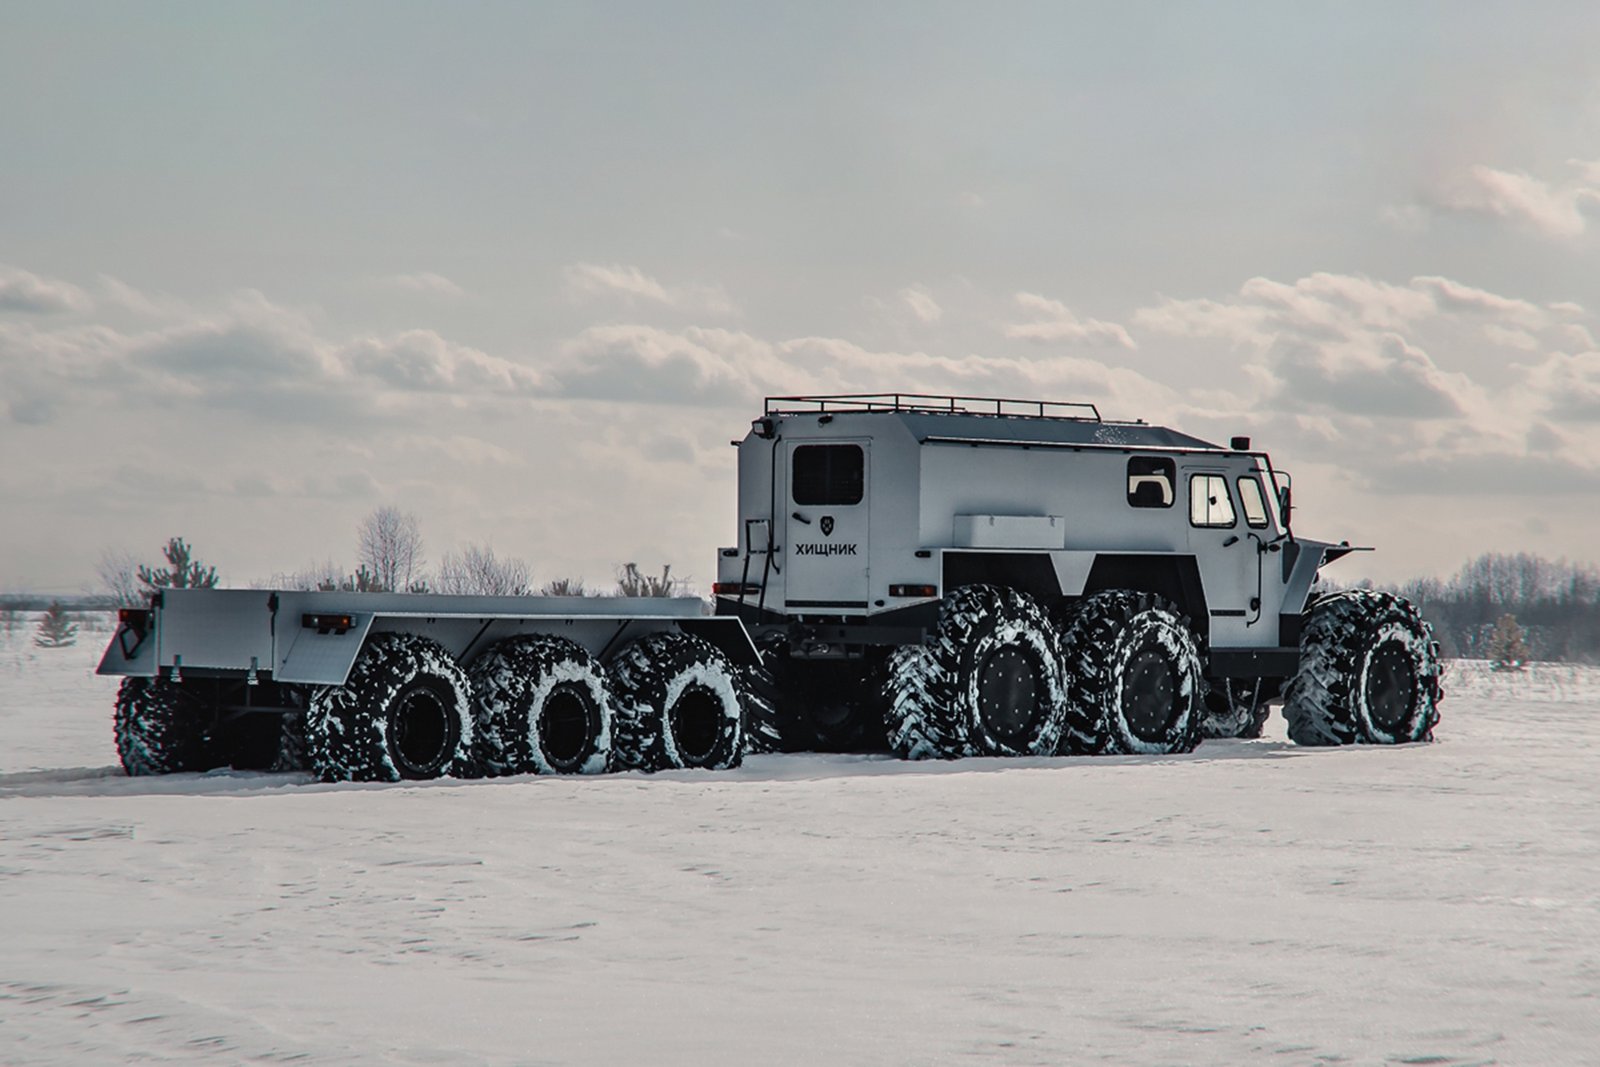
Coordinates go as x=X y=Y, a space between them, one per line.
x=324 y=623
x=734 y=588
x=135 y=619
x=914 y=590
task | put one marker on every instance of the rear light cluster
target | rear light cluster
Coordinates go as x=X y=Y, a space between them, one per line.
x=323 y=623
x=914 y=590
x=734 y=588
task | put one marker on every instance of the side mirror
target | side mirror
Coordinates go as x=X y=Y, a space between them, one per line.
x=1285 y=497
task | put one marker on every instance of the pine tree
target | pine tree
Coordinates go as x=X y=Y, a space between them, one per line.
x=1507 y=650
x=55 y=630
x=182 y=570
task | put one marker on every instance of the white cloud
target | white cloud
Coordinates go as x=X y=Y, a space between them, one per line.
x=1568 y=386
x=1554 y=209
x=921 y=303
x=25 y=291
x=427 y=283
x=584 y=281
x=1054 y=322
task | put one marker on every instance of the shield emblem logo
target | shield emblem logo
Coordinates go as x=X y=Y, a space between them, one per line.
x=827 y=526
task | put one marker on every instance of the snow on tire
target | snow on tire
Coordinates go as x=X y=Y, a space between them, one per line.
x=763 y=722
x=541 y=705
x=404 y=713
x=160 y=729
x=1369 y=673
x=988 y=683
x=1133 y=676
x=676 y=704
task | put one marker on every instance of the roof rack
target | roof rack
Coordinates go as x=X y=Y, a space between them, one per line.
x=928 y=403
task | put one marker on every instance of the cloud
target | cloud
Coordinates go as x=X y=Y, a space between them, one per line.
x=27 y=292
x=1552 y=209
x=1381 y=376
x=586 y=281
x=120 y=294
x=427 y=283
x=1568 y=386
x=1054 y=322
x=921 y=303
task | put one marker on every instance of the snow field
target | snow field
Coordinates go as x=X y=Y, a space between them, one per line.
x=1251 y=902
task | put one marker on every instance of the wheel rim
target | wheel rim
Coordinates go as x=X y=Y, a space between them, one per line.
x=423 y=733
x=568 y=725
x=1149 y=695
x=696 y=721
x=1008 y=695
x=1391 y=686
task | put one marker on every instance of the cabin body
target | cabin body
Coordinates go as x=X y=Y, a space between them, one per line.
x=858 y=514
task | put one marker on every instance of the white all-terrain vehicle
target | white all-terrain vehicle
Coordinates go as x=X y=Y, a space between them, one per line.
x=936 y=576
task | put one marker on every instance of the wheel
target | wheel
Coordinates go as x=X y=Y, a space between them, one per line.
x=160 y=729
x=540 y=704
x=405 y=712
x=988 y=683
x=1133 y=676
x=771 y=722
x=1237 y=707
x=1369 y=673
x=676 y=704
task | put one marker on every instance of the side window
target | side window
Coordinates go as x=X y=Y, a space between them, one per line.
x=829 y=474
x=1209 y=503
x=1150 y=482
x=1253 y=503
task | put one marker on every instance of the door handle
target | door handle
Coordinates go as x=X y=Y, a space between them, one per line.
x=801 y=518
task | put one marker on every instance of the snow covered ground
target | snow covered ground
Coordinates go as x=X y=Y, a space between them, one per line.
x=1250 y=903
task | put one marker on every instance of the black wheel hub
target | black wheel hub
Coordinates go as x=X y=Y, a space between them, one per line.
x=1150 y=695
x=423 y=734
x=568 y=727
x=696 y=722
x=1391 y=687
x=1008 y=695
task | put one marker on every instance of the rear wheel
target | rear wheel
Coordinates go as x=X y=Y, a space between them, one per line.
x=676 y=701
x=989 y=683
x=1369 y=673
x=1133 y=676
x=541 y=705
x=404 y=713
x=161 y=729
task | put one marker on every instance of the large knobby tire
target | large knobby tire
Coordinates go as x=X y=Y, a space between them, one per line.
x=1369 y=673
x=160 y=729
x=405 y=713
x=541 y=704
x=1133 y=676
x=1237 y=707
x=767 y=726
x=676 y=702
x=988 y=683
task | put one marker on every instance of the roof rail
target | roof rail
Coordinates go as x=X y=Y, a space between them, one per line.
x=931 y=404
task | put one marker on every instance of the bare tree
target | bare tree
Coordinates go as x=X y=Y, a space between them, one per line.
x=477 y=571
x=564 y=587
x=391 y=548
x=118 y=572
x=632 y=583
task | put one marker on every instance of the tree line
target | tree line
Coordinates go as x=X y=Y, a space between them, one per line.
x=1554 y=603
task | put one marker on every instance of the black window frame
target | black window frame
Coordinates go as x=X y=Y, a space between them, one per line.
x=1159 y=465
x=827 y=485
x=1221 y=479
x=1261 y=498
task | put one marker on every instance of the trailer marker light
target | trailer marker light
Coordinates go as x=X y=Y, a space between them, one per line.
x=323 y=624
x=135 y=619
x=914 y=590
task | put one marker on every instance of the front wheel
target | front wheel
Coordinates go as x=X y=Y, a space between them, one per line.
x=1369 y=673
x=404 y=713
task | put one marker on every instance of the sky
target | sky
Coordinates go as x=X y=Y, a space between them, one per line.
x=525 y=270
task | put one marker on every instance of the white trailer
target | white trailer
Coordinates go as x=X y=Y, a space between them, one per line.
x=935 y=575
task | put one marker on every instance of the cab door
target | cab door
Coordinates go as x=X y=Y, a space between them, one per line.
x=1227 y=558
x=825 y=550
